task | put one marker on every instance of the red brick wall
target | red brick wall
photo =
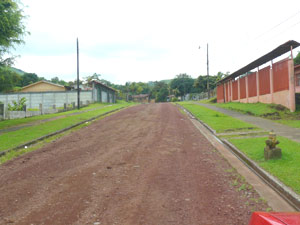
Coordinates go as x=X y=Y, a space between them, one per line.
x=252 y=89
x=220 y=93
x=235 y=94
x=264 y=81
x=281 y=76
x=243 y=87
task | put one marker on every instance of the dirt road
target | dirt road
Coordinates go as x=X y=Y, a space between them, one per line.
x=144 y=165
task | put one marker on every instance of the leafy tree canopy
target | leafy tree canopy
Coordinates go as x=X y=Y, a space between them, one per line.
x=56 y=80
x=95 y=76
x=29 y=78
x=12 y=28
x=183 y=83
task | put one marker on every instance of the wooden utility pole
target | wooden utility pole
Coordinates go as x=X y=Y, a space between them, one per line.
x=78 y=91
x=208 y=94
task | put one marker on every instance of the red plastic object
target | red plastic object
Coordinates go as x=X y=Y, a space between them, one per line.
x=275 y=218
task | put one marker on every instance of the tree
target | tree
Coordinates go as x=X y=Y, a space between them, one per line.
x=162 y=95
x=183 y=83
x=29 y=78
x=12 y=29
x=95 y=76
x=297 y=59
x=56 y=80
x=159 y=91
x=8 y=79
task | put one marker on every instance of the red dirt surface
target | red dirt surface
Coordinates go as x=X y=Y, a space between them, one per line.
x=147 y=164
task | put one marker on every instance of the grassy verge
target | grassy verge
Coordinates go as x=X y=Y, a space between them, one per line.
x=277 y=113
x=21 y=136
x=15 y=122
x=216 y=120
x=15 y=153
x=286 y=169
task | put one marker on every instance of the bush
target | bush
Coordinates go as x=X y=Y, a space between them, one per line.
x=174 y=99
x=17 y=106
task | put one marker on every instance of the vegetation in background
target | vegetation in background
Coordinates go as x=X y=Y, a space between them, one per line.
x=216 y=120
x=286 y=169
x=297 y=59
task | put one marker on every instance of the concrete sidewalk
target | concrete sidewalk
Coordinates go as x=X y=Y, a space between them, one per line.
x=265 y=124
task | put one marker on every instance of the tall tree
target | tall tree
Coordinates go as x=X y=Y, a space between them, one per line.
x=183 y=83
x=12 y=29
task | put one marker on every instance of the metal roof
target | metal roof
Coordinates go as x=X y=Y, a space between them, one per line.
x=104 y=85
x=281 y=49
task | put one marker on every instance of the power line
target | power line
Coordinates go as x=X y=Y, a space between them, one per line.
x=277 y=25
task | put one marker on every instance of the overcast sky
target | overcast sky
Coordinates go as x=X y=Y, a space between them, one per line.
x=139 y=40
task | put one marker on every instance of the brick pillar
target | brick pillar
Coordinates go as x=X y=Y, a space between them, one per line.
x=292 y=97
x=247 y=88
x=257 y=85
x=271 y=84
x=231 y=91
x=239 y=90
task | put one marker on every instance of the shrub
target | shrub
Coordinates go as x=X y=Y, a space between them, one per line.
x=17 y=106
x=174 y=99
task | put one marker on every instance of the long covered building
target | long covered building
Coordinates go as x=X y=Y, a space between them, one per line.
x=277 y=83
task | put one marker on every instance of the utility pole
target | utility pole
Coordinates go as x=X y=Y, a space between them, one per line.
x=208 y=94
x=78 y=92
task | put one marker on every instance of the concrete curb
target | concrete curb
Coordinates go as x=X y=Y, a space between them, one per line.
x=290 y=196
x=2 y=153
x=194 y=117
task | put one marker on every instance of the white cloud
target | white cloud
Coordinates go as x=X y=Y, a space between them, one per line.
x=138 y=40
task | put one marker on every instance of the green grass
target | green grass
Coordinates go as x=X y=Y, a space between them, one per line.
x=15 y=122
x=286 y=169
x=270 y=111
x=216 y=120
x=257 y=109
x=12 y=139
x=15 y=153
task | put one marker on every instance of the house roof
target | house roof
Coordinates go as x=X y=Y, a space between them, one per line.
x=98 y=82
x=280 y=50
x=42 y=81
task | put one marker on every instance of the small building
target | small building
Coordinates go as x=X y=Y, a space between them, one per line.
x=142 y=98
x=103 y=93
x=43 y=86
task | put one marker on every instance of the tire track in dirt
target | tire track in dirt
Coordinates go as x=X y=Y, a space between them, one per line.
x=143 y=165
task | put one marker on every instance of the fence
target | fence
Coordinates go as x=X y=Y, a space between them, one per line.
x=268 y=85
x=199 y=96
x=6 y=114
x=47 y=99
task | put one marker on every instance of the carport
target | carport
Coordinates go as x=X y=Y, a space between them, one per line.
x=103 y=93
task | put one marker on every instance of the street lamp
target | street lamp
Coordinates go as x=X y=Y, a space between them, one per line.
x=208 y=94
